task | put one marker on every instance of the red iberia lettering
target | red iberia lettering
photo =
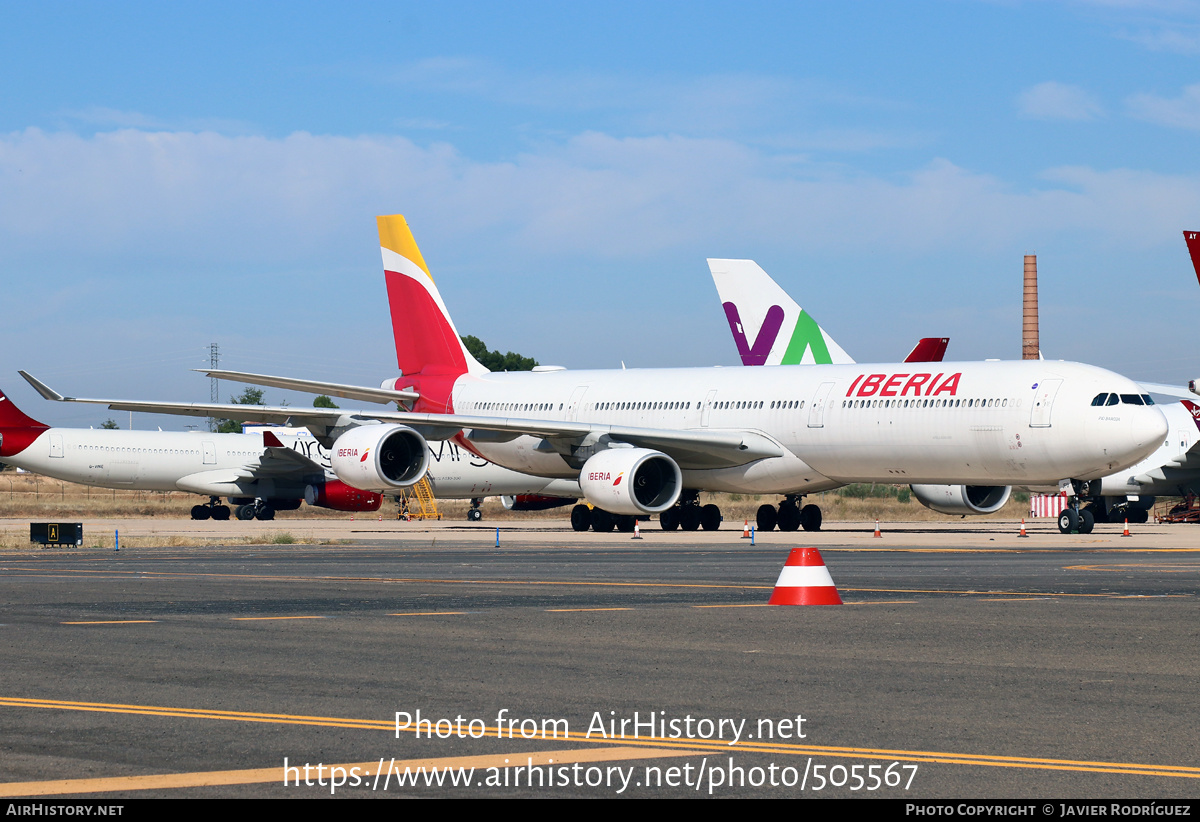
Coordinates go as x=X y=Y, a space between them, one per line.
x=599 y=476
x=915 y=383
x=856 y=379
x=950 y=386
x=871 y=385
x=929 y=390
x=891 y=383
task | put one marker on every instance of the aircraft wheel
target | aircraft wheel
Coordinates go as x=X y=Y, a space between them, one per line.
x=766 y=518
x=710 y=517
x=602 y=521
x=1068 y=521
x=581 y=518
x=245 y=512
x=689 y=517
x=626 y=523
x=669 y=519
x=1086 y=521
x=474 y=515
x=810 y=518
x=265 y=513
x=220 y=513
x=789 y=517
x=200 y=512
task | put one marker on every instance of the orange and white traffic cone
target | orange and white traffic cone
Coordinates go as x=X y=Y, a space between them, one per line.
x=1023 y=534
x=878 y=535
x=637 y=529
x=746 y=530
x=1127 y=534
x=805 y=580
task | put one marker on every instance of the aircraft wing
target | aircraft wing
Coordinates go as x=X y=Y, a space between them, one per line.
x=332 y=389
x=692 y=449
x=1181 y=391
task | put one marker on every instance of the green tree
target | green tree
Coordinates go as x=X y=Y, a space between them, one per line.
x=110 y=424
x=323 y=401
x=494 y=360
x=250 y=396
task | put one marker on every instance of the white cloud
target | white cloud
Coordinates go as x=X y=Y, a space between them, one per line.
x=1180 y=112
x=301 y=200
x=1058 y=101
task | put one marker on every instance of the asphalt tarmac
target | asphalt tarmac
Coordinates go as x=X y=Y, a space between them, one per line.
x=966 y=663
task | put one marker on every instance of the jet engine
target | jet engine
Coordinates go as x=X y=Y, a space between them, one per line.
x=535 y=502
x=631 y=481
x=339 y=496
x=962 y=499
x=379 y=457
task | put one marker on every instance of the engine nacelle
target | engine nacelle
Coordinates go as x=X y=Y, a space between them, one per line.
x=535 y=502
x=379 y=457
x=631 y=481
x=339 y=496
x=962 y=499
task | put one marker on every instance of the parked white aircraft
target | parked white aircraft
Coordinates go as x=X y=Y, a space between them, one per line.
x=647 y=441
x=256 y=471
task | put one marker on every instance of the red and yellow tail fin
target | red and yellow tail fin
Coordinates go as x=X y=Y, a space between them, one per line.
x=426 y=340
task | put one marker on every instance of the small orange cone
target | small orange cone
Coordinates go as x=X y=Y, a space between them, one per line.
x=1126 y=534
x=877 y=534
x=1023 y=534
x=746 y=530
x=637 y=529
x=805 y=580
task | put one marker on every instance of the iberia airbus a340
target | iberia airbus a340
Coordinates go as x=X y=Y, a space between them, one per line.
x=648 y=441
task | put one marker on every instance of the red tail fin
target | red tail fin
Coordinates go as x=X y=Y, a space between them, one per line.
x=17 y=429
x=1192 y=238
x=928 y=349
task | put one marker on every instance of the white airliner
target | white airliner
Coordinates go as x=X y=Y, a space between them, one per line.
x=648 y=441
x=256 y=471
x=759 y=309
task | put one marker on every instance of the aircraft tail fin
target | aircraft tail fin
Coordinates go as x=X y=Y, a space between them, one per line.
x=767 y=325
x=17 y=429
x=426 y=340
x=928 y=349
x=1192 y=238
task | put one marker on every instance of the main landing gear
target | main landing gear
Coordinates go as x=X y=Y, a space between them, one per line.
x=601 y=521
x=259 y=509
x=212 y=509
x=473 y=513
x=690 y=515
x=789 y=516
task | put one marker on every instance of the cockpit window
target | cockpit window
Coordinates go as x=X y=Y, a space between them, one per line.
x=1148 y=400
x=1099 y=399
x=1112 y=399
x=1132 y=399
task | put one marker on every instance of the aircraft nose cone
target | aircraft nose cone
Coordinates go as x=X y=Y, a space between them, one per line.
x=1149 y=427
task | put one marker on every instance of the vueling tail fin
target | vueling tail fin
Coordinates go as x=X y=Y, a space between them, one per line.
x=426 y=339
x=768 y=326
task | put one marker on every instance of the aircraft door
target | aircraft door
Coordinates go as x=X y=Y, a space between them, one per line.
x=816 y=411
x=575 y=401
x=1043 y=403
x=210 y=453
x=56 y=445
x=706 y=408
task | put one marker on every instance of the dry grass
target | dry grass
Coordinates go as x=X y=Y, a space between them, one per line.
x=35 y=497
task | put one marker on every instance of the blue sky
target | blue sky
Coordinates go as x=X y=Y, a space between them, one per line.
x=174 y=175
